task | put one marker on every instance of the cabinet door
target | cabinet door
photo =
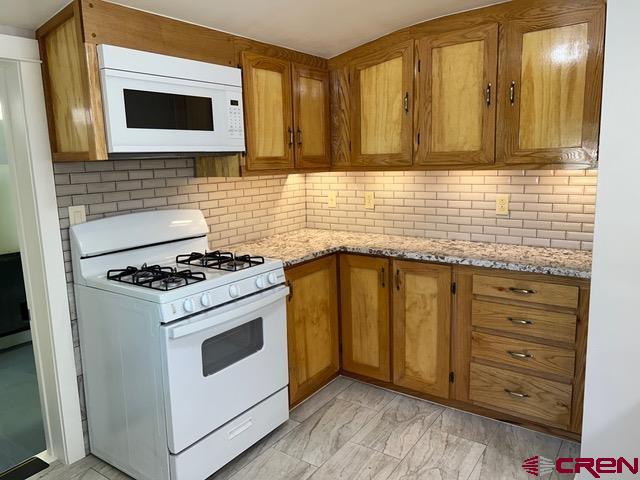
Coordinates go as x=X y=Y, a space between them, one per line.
x=455 y=97
x=311 y=116
x=421 y=327
x=364 y=286
x=268 y=115
x=551 y=87
x=312 y=321
x=382 y=91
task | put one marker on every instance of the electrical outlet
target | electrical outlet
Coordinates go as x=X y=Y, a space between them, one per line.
x=502 y=204
x=77 y=214
x=332 y=199
x=368 y=200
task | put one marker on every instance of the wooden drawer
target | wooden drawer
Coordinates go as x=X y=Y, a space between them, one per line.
x=526 y=290
x=542 y=400
x=539 y=358
x=532 y=322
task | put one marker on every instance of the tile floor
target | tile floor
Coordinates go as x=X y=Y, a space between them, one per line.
x=21 y=427
x=354 y=431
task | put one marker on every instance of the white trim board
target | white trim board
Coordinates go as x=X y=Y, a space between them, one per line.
x=31 y=170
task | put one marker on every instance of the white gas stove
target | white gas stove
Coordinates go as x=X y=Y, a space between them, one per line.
x=184 y=350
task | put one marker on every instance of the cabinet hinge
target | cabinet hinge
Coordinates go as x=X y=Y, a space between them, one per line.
x=453 y=288
x=452 y=377
x=243 y=159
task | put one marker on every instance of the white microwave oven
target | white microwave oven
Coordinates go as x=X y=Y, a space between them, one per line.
x=160 y=104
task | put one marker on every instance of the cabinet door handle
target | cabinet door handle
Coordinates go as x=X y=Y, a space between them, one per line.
x=520 y=321
x=406 y=102
x=522 y=291
x=398 y=279
x=382 y=282
x=487 y=95
x=516 y=394
x=290 y=130
x=512 y=93
x=299 y=137
x=520 y=355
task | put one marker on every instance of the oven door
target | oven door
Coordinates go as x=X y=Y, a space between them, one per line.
x=151 y=113
x=221 y=363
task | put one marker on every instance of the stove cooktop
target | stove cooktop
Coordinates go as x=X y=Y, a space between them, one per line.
x=156 y=277
x=220 y=260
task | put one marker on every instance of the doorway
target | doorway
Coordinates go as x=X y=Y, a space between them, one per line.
x=22 y=433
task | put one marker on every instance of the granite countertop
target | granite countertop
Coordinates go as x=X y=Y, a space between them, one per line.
x=306 y=244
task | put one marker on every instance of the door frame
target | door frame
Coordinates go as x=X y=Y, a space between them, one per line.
x=41 y=247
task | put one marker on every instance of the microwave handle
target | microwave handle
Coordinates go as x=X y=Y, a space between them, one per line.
x=216 y=320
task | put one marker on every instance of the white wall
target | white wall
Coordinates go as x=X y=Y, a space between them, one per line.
x=612 y=401
x=8 y=230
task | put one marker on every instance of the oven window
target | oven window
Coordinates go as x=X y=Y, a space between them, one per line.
x=168 y=111
x=230 y=347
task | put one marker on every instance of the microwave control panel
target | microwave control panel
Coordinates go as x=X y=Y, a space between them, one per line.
x=234 y=114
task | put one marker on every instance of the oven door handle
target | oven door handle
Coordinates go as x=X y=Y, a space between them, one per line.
x=215 y=320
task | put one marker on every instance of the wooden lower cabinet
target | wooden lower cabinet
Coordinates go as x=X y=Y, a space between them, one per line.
x=421 y=327
x=364 y=288
x=312 y=322
x=504 y=344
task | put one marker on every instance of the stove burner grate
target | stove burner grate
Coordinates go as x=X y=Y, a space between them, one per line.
x=220 y=260
x=156 y=277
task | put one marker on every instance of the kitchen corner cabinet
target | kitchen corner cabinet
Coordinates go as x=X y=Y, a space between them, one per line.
x=72 y=89
x=312 y=326
x=286 y=114
x=422 y=327
x=382 y=100
x=455 y=97
x=364 y=288
x=551 y=88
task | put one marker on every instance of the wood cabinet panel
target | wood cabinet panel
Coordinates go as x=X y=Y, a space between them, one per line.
x=536 y=357
x=312 y=319
x=382 y=91
x=268 y=112
x=551 y=88
x=535 y=398
x=525 y=321
x=526 y=290
x=421 y=327
x=455 y=104
x=311 y=117
x=365 y=315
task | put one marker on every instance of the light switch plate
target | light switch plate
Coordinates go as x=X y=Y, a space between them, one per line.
x=502 y=204
x=77 y=214
x=332 y=199
x=368 y=200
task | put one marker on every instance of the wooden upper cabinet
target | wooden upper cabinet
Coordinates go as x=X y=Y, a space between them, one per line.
x=312 y=326
x=311 y=116
x=364 y=286
x=551 y=88
x=455 y=97
x=382 y=107
x=268 y=113
x=72 y=89
x=422 y=327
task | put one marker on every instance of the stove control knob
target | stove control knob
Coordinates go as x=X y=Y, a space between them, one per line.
x=233 y=291
x=272 y=278
x=260 y=282
x=205 y=300
x=188 y=305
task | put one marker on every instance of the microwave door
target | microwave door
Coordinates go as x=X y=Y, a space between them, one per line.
x=150 y=113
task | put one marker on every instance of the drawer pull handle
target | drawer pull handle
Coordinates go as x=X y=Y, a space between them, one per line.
x=516 y=394
x=522 y=291
x=520 y=321
x=520 y=355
